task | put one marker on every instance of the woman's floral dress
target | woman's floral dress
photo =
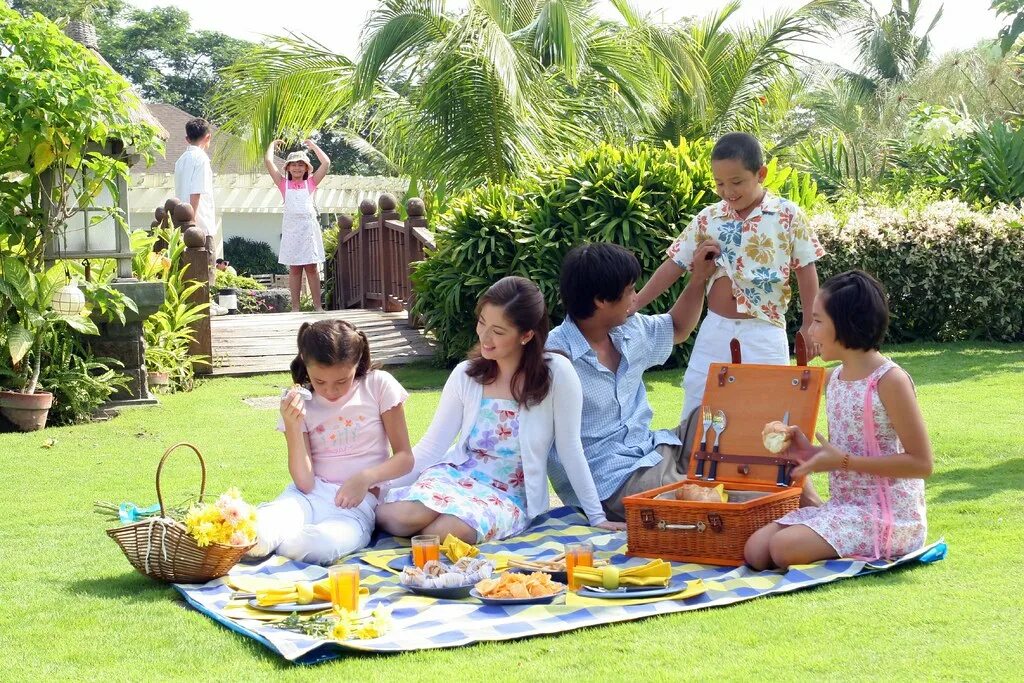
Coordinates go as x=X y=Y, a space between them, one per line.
x=487 y=491
x=866 y=517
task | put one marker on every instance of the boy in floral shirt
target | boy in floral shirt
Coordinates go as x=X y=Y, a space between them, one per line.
x=761 y=240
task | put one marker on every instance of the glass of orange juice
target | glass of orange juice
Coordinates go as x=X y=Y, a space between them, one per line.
x=578 y=555
x=344 y=582
x=425 y=548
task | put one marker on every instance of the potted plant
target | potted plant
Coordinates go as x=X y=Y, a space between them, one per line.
x=32 y=306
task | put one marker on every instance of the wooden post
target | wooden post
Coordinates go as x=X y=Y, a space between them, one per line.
x=416 y=212
x=196 y=262
x=387 y=204
x=366 y=210
x=341 y=293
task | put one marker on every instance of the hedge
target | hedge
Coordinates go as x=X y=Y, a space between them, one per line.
x=952 y=272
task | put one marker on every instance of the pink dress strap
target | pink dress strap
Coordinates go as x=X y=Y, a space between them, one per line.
x=884 y=521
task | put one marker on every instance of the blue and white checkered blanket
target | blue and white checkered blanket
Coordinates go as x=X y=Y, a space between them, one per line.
x=420 y=622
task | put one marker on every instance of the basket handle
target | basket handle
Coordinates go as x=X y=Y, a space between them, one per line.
x=160 y=467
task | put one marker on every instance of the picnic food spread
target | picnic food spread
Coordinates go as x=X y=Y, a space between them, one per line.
x=434 y=574
x=519 y=586
x=776 y=436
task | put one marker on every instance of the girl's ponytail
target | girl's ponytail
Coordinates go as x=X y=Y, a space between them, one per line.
x=365 y=363
x=298 y=366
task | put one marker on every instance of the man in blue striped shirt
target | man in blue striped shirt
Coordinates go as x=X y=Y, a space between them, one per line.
x=610 y=350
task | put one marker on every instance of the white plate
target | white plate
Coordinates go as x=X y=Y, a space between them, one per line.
x=289 y=607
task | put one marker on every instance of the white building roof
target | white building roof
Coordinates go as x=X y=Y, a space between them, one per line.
x=252 y=193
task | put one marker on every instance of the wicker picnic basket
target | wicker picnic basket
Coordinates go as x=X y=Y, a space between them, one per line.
x=162 y=548
x=760 y=487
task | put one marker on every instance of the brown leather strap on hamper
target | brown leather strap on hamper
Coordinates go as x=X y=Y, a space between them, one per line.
x=734 y=349
x=801 y=349
x=743 y=459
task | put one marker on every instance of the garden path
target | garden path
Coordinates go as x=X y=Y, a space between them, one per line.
x=250 y=344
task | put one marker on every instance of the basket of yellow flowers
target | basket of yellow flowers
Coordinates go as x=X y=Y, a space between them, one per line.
x=204 y=545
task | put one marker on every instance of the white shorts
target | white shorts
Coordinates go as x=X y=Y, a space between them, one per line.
x=760 y=342
x=310 y=527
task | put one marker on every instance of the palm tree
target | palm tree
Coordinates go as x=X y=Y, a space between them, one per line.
x=737 y=69
x=890 y=49
x=456 y=98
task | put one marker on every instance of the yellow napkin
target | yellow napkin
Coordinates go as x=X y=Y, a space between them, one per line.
x=693 y=588
x=456 y=549
x=654 y=573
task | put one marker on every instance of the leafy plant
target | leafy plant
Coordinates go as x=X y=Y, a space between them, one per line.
x=28 y=320
x=168 y=332
x=225 y=280
x=252 y=257
x=79 y=381
x=59 y=108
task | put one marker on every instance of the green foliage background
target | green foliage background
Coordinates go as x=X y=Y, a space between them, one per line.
x=640 y=197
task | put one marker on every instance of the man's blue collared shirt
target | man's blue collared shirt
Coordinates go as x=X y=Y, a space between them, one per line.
x=616 y=427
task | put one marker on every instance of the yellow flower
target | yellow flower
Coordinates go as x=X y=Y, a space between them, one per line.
x=761 y=248
x=341 y=630
x=368 y=631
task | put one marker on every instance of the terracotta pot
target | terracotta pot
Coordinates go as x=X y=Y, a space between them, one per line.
x=27 y=412
x=158 y=379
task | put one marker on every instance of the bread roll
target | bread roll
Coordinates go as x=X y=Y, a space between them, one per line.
x=775 y=436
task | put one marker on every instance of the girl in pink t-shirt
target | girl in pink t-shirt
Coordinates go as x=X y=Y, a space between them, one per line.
x=302 y=242
x=338 y=442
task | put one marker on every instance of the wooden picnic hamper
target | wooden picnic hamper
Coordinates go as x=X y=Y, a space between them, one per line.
x=163 y=549
x=758 y=482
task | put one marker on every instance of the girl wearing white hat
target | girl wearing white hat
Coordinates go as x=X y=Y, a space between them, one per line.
x=302 y=242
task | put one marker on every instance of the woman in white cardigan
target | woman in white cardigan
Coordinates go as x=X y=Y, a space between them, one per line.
x=509 y=404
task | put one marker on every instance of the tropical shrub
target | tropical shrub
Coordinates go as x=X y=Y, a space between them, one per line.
x=952 y=272
x=168 y=332
x=225 y=280
x=79 y=381
x=252 y=257
x=640 y=197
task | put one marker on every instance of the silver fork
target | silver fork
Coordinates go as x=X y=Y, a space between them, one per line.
x=719 y=423
x=708 y=420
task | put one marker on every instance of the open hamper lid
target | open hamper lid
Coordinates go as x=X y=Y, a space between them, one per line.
x=751 y=396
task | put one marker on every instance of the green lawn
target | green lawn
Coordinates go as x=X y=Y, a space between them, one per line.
x=72 y=608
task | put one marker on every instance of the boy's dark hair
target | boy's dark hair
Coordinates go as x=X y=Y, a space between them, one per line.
x=329 y=342
x=595 y=271
x=859 y=309
x=742 y=147
x=196 y=129
x=524 y=306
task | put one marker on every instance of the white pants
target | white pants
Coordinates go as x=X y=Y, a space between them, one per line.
x=760 y=342
x=310 y=527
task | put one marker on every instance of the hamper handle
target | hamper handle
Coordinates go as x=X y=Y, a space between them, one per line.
x=159 y=468
x=650 y=521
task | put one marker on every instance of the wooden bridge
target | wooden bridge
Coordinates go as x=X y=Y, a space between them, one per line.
x=371 y=289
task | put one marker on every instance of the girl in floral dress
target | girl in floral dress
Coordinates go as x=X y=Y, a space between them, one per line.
x=501 y=404
x=878 y=454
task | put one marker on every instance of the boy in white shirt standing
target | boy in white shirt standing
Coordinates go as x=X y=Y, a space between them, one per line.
x=193 y=182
